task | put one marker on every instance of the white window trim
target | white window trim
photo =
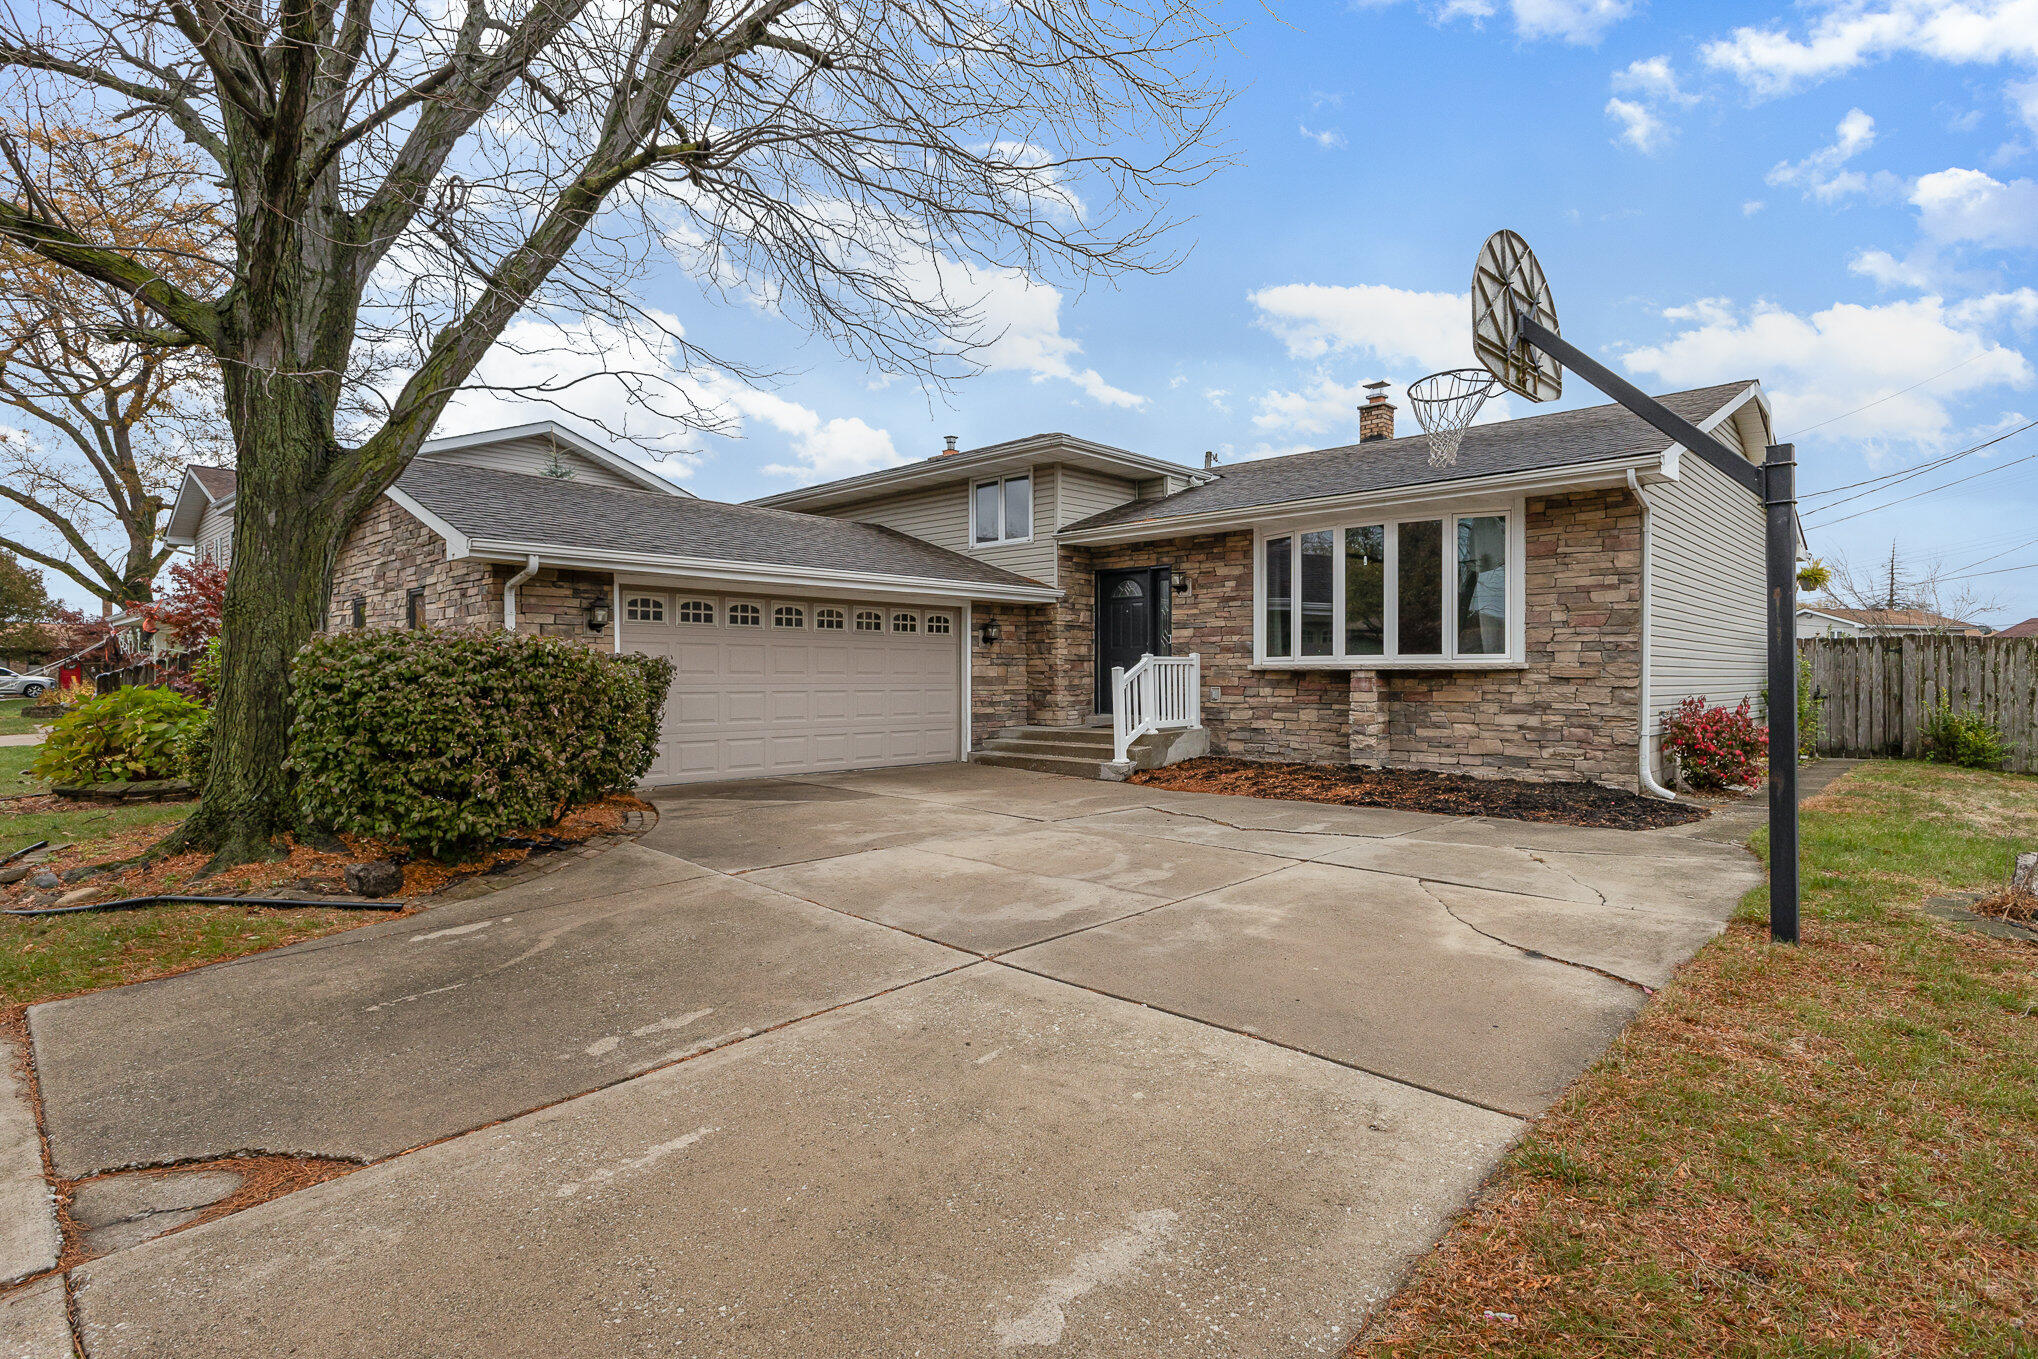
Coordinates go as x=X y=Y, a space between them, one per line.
x=927 y=617
x=884 y=620
x=845 y=615
x=729 y=607
x=892 y=628
x=1032 y=508
x=714 y=611
x=771 y=615
x=666 y=614
x=1517 y=590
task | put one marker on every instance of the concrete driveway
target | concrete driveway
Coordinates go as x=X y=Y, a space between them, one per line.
x=936 y=1061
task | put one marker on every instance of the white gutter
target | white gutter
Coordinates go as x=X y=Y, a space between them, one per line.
x=1647 y=744
x=509 y=592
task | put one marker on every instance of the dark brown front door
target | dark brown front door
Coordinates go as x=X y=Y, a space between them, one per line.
x=1132 y=609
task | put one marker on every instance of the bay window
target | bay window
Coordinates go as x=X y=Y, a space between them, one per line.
x=1425 y=589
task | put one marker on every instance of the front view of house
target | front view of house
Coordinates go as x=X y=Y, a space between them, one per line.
x=1531 y=610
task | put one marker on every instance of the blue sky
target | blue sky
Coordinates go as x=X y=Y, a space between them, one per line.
x=1836 y=198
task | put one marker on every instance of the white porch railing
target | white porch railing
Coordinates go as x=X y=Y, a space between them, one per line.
x=1161 y=693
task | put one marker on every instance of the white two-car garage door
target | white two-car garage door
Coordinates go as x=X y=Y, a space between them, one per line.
x=766 y=686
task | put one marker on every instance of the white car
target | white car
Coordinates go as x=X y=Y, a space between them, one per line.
x=26 y=686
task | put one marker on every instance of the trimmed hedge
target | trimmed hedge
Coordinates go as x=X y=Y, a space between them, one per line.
x=445 y=741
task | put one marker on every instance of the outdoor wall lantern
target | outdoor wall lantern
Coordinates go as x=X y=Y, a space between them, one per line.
x=990 y=632
x=1180 y=581
x=598 y=616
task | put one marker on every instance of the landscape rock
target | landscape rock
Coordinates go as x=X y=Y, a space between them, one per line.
x=15 y=874
x=77 y=896
x=376 y=879
x=2024 y=877
x=46 y=880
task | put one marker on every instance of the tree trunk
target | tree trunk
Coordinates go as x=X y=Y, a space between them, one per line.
x=285 y=544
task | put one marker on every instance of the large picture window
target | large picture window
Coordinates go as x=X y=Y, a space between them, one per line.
x=1425 y=590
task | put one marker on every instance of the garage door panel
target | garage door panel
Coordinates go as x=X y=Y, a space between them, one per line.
x=770 y=701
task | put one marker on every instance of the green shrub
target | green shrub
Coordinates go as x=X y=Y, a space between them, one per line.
x=447 y=740
x=194 y=749
x=1811 y=709
x=1965 y=738
x=131 y=733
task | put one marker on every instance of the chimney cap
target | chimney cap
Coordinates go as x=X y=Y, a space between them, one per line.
x=948 y=443
x=1376 y=391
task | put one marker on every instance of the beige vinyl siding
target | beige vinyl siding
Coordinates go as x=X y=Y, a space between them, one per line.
x=941 y=516
x=532 y=456
x=1084 y=493
x=1709 y=634
x=214 y=541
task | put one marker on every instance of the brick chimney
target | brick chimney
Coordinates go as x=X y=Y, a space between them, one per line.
x=1376 y=417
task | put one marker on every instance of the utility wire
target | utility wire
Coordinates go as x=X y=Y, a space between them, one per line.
x=1915 y=495
x=1999 y=571
x=1890 y=397
x=1889 y=479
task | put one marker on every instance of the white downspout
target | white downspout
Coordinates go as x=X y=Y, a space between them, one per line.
x=509 y=592
x=1647 y=746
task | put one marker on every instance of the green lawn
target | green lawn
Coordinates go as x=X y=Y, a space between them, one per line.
x=18 y=829
x=12 y=723
x=1825 y=1150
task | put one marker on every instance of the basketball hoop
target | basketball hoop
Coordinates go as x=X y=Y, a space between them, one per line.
x=1445 y=404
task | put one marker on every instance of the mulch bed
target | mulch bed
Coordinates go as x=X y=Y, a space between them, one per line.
x=1422 y=790
x=303 y=869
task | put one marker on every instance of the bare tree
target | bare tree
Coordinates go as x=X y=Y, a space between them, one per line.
x=405 y=178
x=111 y=421
x=1898 y=585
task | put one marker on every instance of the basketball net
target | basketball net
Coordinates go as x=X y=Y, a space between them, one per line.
x=1445 y=404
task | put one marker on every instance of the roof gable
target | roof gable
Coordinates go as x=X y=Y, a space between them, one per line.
x=973 y=462
x=201 y=488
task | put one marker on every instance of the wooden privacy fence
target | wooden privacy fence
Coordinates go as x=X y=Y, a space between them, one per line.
x=1878 y=690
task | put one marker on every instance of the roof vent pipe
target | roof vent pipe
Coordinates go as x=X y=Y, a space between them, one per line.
x=1209 y=459
x=948 y=445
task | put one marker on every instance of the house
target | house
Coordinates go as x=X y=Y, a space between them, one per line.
x=2027 y=628
x=1533 y=609
x=1832 y=620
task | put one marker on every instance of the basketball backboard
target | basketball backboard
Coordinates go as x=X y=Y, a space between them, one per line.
x=1507 y=282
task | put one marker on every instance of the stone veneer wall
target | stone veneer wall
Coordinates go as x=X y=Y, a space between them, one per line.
x=555 y=604
x=998 y=672
x=387 y=553
x=1571 y=713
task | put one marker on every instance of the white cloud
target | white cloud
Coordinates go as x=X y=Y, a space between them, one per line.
x=824 y=449
x=1393 y=325
x=2023 y=97
x=1820 y=366
x=1822 y=175
x=1891 y=272
x=1639 y=126
x=1752 y=206
x=1330 y=139
x=2018 y=309
x=1574 y=21
x=1851 y=33
x=1976 y=207
x=1652 y=78
x=1216 y=397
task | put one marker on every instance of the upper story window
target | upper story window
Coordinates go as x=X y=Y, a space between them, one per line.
x=1002 y=511
x=1424 y=590
x=644 y=609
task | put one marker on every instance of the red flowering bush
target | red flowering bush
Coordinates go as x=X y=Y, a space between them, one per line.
x=1717 y=747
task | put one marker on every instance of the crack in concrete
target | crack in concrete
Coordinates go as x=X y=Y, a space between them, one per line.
x=1628 y=982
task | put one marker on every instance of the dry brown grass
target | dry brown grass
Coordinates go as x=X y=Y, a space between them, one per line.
x=1826 y=1150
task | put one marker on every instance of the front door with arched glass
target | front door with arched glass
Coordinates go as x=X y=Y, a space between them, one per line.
x=1132 y=621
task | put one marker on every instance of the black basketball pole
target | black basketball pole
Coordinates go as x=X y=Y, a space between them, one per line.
x=1775 y=482
x=1779 y=506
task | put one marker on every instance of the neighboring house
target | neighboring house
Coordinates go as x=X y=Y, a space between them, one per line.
x=1831 y=620
x=2027 y=628
x=1517 y=612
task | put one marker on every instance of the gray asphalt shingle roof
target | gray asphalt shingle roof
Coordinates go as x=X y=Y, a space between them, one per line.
x=546 y=511
x=1528 y=444
x=219 y=482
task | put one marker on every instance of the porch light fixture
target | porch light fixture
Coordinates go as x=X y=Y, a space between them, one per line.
x=598 y=615
x=990 y=632
x=1179 y=581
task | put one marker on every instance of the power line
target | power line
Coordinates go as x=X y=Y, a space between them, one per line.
x=1890 y=397
x=1895 y=478
x=1999 y=571
x=1915 y=495
x=1993 y=555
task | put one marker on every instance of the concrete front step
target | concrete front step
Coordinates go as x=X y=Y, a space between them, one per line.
x=1041 y=764
x=1088 y=737
x=1075 y=750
